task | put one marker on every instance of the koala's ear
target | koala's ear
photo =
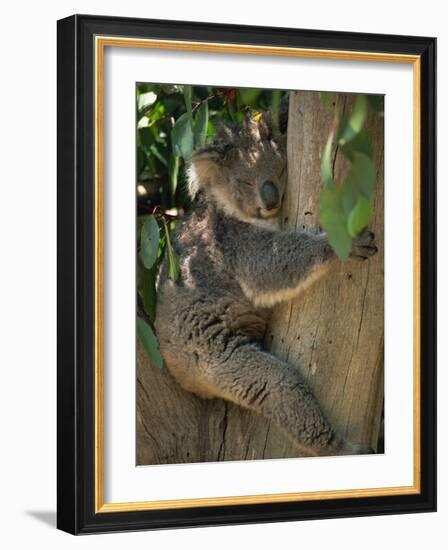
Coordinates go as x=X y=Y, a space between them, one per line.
x=256 y=127
x=205 y=165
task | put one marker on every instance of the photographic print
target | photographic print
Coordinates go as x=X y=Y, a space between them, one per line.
x=246 y=274
x=260 y=299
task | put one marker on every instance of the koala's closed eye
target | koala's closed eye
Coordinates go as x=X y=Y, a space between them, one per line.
x=233 y=172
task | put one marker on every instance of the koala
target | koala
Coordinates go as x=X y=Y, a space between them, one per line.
x=236 y=264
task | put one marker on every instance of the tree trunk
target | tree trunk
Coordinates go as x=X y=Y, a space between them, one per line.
x=333 y=334
x=174 y=426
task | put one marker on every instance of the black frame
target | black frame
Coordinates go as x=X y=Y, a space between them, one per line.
x=75 y=475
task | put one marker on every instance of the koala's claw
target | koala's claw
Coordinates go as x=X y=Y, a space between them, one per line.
x=364 y=246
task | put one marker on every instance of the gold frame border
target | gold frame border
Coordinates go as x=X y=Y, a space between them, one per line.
x=101 y=42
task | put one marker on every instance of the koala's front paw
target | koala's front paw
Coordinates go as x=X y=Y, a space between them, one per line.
x=363 y=246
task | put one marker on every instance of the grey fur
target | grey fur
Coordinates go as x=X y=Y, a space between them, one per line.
x=236 y=264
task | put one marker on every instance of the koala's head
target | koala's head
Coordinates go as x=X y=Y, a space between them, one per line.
x=243 y=171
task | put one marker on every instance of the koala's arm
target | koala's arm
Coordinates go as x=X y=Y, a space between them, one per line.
x=273 y=266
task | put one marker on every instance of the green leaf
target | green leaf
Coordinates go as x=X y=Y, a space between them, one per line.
x=362 y=174
x=359 y=217
x=149 y=342
x=182 y=137
x=200 y=125
x=333 y=221
x=156 y=152
x=355 y=121
x=238 y=116
x=149 y=242
x=361 y=143
x=173 y=173
x=157 y=112
x=327 y=165
x=249 y=96
x=376 y=102
x=144 y=102
x=173 y=260
x=146 y=136
x=275 y=110
x=348 y=197
x=188 y=96
x=143 y=88
x=210 y=131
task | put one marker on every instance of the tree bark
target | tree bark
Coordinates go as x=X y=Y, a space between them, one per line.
x=333 y=333
x=174 y=426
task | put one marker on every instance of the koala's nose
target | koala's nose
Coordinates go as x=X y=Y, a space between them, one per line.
x=270 y=195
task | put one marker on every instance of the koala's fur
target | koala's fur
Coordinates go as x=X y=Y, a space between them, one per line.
x=235 y=264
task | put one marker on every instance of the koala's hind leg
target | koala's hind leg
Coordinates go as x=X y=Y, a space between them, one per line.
x=257 y=380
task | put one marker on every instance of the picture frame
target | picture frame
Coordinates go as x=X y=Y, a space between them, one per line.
x=82 y=42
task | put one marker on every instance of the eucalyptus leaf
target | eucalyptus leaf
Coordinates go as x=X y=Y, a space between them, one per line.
x=156 y=152
x=361 y=143
x=173 y=174
x=188 y=97
x=144 y=103
x=238 y=116
x=210 y=131
x=146 y=137
x=362 y=174
x=327 y=165
x=149 y=242
x=149 y=342
x=173 y=262
x=142 y=88
x=201 y=124
x=182 y=137
x=348 y=197
x=333 y=221
x=355 y=121
x=359 y=217
x=249 y=96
